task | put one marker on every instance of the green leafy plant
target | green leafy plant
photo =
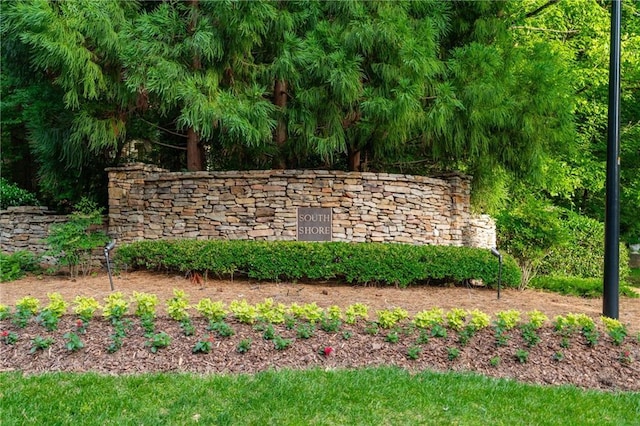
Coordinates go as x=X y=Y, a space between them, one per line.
x=50 y=315
x=558 y=356
x=85 y=307
x=355 y=311
x=5 y=312
x=221 y=328
x=8 y=337
x=26 y=308
x=158 y=341
x=388 y=318
x=372 y=328
x=243 y=311
x=269 y=333
x=203 y=345
x=73 y=342
x=522 y=356
x=413 y=352
x=330 y=324
x=453 y=353
x=495 y=361
x=529 y=334
x=213 y=311
x=430 y=318
x=270 y=312
x=616 y=330
x=40 y=343
x=281 y=343
x=177 y=306
x=11 y=195
x=310 y=312
x=456 y=318
x=72 y=242
x=244 y=346
x=346 y=335
x=187 y=327
x=439 y=330
x=423 y=338
x=145 y=304
x=305 y=331
x=15 y=265
x=115 y=306
x=392 y=337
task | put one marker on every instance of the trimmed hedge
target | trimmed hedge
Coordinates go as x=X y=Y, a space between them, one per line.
x=577 y=286
x=361 y=263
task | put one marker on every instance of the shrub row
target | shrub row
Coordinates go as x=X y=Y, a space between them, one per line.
x=576 y=286
x=361 y=263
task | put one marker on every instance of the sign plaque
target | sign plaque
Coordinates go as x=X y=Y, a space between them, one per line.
x=314 y=223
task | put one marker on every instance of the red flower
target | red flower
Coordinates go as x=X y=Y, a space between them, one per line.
x=79 y=323
x=328 y=351
x=5 y=333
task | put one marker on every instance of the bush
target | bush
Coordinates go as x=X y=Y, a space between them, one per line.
x=583 y=253
x=73 y=241
x=576 y=286
x=15 y=265
x=391 y=264
x=12 y=195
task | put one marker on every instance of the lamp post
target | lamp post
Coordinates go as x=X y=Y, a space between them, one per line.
x=496 y=253
x=108 y=249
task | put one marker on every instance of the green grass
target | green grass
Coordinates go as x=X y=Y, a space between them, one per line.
x=363 y=397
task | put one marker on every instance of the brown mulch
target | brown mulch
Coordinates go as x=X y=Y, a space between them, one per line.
x=598 y=367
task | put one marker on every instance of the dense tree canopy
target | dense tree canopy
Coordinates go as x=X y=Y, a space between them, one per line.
x=513 y=93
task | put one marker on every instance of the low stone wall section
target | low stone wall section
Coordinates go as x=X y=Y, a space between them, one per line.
x=146 y=202
x=25 y=228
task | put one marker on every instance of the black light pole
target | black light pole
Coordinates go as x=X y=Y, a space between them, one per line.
x=496 y=253
x=107 y=249
x=612 y=212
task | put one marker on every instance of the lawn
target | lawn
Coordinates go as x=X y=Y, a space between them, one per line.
x=366 y=397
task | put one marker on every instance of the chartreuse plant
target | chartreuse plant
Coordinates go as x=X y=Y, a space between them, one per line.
x=50 y=315
x=529 y=329
x=85 y=307
x=355 y=311
x=505 y=321
x=427 y=319
x=331 y=320
x=5 y=312
x=26 y=308
x=213 y=311
x=115 y=306
x=270 y=312
x=388 y=318
x=616 y=330
x=177 y=309
x=145 y=304
x=309 y=311
x=243 y=311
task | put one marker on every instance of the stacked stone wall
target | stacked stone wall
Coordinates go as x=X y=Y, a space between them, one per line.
x=146 y=202
x=25 y=228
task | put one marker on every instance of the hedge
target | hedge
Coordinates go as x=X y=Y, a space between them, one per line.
x=358 y=263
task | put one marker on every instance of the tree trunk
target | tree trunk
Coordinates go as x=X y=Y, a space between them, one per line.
x=194 y=154
x=280 y=100
x=195 y=150
x=354 y=160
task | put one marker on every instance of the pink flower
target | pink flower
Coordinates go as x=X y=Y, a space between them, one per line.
x=5 y=333
x=328 y=351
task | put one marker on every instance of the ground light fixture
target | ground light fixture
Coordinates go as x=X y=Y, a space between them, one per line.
x=496 y=253
x=107 y=250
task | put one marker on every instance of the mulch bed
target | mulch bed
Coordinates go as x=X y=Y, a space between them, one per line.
x=599 y=367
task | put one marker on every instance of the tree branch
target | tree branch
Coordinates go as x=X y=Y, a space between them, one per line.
x=524 y=27
x=540 y=9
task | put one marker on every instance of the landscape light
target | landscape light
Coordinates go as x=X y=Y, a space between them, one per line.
x=107 y=249
x=496 y=253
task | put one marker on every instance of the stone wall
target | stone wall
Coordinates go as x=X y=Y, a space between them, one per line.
x=25 y=228
x=146 y=202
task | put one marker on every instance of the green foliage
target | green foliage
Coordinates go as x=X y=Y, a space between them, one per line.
x=158 y=341
x=280 y=343
x=413 y=352
x=72 y=242
x=522 y=356
x=14 y=266
x=213 y=311
x=40 y=343
x=85 y=307
x=575 y=286
x=115 y=306
x=26 y=308
x=244 y=346
x=145 y=304
x=616 y=330
x=203 y=345
x=582 y=253
x=453 y=353
x=177 y=306
x=12 y=195
x=221 y=328
x=9 y=337
x=73 y=342
x=388 y=318
x=243 y=311
x=355 y=311
x=5 y=312
x=391 y=264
